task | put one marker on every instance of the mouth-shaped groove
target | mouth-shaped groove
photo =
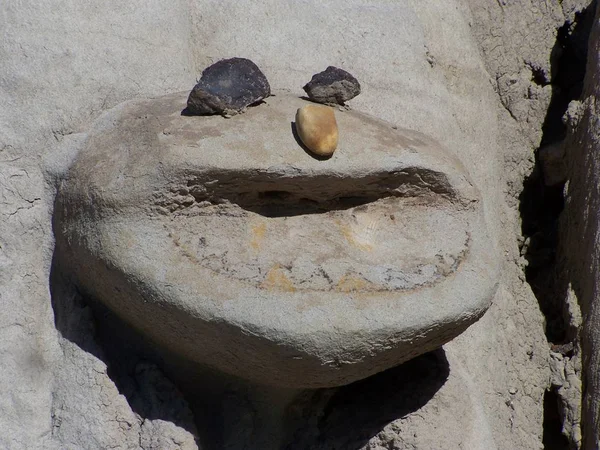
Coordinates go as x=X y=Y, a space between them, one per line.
x=273 y=195
x=356 y=223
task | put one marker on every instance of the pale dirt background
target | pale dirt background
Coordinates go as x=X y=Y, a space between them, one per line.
x=460 y=71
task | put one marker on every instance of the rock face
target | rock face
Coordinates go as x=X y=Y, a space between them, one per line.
x=579 y=231
x=430 y=73
x=228 y=87
x=394 y=261
x=317 y=129
x=332 y=86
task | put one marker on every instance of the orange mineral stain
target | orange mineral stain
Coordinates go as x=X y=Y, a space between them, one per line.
x=351 y=238
x=276 y=279
x=349 y=283
x=258 y=235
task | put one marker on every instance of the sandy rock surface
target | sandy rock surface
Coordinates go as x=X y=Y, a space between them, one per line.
x=474 y=74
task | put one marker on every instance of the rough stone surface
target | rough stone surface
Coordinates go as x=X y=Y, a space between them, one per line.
x=473 y=74
x=580 y=222
x=317 y=129
x=519 y=40
x=143 y=410
x=228 y=87
x=52 y=82
x=332 y=86
x=395 y=261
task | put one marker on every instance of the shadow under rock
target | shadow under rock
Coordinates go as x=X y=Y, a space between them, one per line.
x=541 y=205
x=73 y=317
x=359 y=411
x=132 y=364
x=338 y=418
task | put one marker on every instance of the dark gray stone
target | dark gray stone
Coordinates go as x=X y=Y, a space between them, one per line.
x=332 y=86
x=227 y=87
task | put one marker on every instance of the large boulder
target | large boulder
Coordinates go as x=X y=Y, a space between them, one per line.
x=224 y=241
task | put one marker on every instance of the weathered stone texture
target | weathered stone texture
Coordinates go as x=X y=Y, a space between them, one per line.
x=421 y=67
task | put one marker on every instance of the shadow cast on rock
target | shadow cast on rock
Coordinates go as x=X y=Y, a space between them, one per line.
x=542 y=202
x=357 y=412
x=338 y=418
x=132 y=365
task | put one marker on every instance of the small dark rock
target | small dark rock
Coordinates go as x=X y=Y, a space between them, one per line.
x=227 y=88
x=332 y=86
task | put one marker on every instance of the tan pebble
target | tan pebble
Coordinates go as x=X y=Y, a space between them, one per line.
x=317 y=129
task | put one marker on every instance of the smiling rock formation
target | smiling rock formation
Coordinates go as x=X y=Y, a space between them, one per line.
x=222 y=242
